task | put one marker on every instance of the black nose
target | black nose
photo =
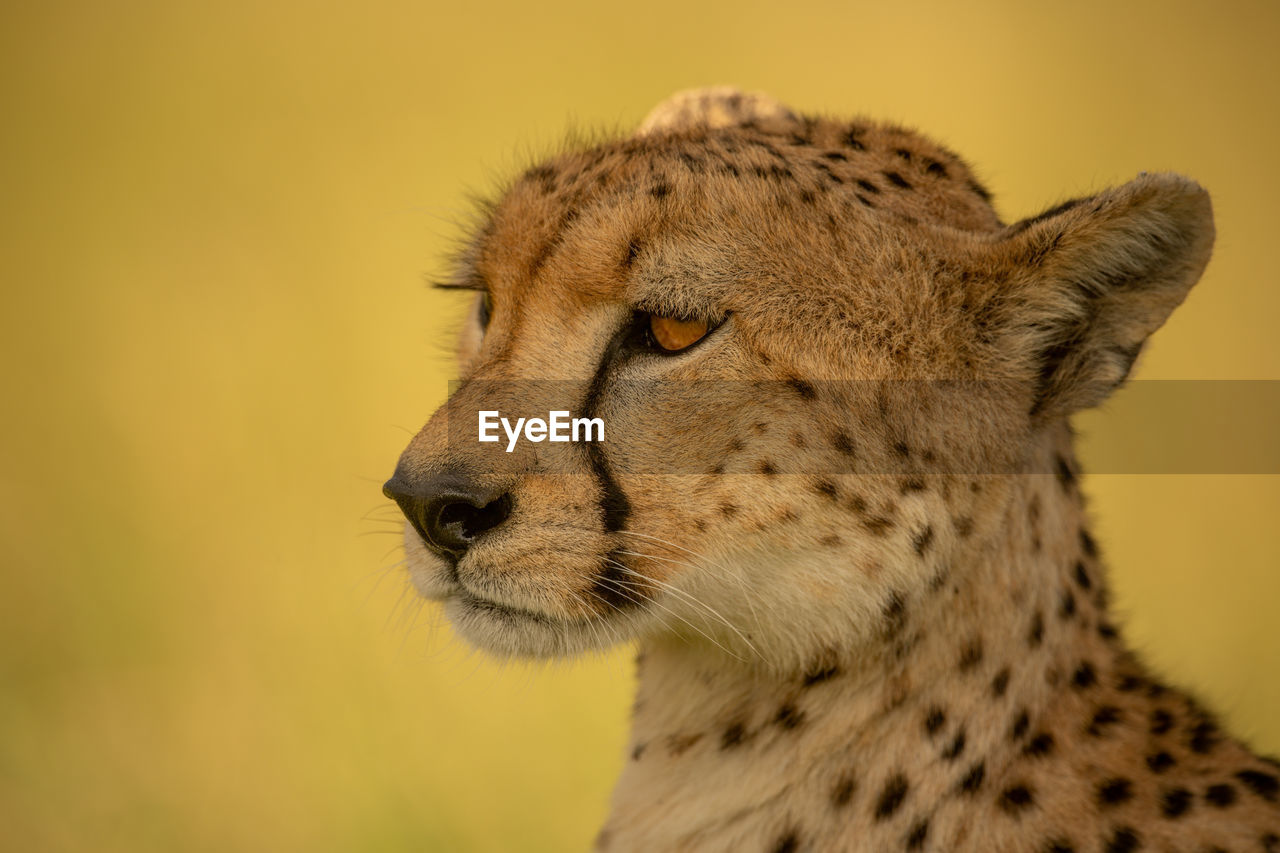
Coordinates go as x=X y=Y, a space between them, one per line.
x=448 y=512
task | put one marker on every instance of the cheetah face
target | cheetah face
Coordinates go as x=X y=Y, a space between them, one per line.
x=817 y=356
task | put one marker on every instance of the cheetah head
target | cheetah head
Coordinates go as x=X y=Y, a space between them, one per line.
x=816 y=353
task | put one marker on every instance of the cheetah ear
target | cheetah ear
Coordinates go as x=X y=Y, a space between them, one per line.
x=1091 y=279
x=711 y=107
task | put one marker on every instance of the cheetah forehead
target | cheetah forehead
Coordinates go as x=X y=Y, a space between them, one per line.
x=754 y=179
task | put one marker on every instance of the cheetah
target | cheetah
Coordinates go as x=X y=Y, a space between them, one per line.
x=836 y=505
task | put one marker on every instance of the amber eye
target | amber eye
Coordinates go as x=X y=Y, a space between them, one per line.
x=673 y=334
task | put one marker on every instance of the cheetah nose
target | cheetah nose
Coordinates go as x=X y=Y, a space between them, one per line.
x=449 y=512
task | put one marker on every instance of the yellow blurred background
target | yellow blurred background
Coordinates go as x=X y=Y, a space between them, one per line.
x=216 y=221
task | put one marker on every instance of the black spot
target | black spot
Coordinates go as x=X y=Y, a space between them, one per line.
x=868 y=186
x=1067 y=608
x=767 y=468
x=660 y=190
x=842 y=442
x=1270 y=842
x=1089 y=546
x=971 y=655
x=935 y=720
x=851 y=139
x=843 y=791
x=1160 y=762
x=895 y=791
x=820 y=672
x=1058 y=845
x=939 y=578
x=912 y=484
x=1107 y=631
x=1016 y=799
x=1000 y=683
x=903 y=153
x=953 y=750
x=1039 y=746
x=1085 y=676
x=1103 y=717
x=878 y=525
x=1174 y=802
x=835 y=179
x=901 y=449
x=836 y=155
x=1124 y=840
x=728 y=510
x=1220 y=795
x=1204 y=737
x=980 y=190
x=638 y=751
x=804 y=389
x=1082 y=576
x=921 y=539
x=1066 y=477
x=789 y=717
x=917 y=835
x=633 y=252
x=1265 y=785
x=1113 y=792
x=1129 y=682
x=826 y=488
x=692 y=163
x=788 y=843
x=1020 y=725
x=1161 y=721
x=897 y=180
x=935 y=168
x=895 y=613
x=733 y=736
x=1036 y=635
x=972 y=780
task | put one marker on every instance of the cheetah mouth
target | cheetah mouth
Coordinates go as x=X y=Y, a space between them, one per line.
x=475 y=604
x=515 y=632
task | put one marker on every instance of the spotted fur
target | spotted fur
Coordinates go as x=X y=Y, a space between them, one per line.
x=855 y=558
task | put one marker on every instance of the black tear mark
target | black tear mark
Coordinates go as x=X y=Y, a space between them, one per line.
x=615 y=508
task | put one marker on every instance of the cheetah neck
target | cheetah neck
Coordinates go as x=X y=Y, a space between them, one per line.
x=979 y=657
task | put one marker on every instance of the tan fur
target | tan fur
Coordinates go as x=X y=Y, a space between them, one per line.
x=854 y=555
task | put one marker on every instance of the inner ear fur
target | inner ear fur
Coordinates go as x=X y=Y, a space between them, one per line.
x=1088 y=281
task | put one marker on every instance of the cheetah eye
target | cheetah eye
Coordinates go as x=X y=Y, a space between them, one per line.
x=485 y=309
x=671 y=334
